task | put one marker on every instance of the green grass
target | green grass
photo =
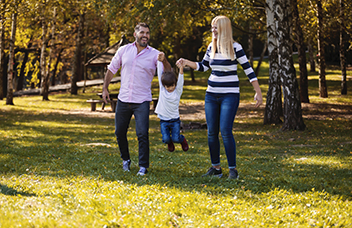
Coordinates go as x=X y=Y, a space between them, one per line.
x=53 y=175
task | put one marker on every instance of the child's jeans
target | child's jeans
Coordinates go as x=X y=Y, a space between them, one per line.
x=170 y=130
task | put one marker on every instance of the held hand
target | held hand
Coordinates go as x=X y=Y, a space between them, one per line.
x=259 y=100
x=161 y=56
x=106 y=95
x=180 y=62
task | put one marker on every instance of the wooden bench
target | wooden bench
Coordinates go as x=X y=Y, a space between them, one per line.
x=93 y=104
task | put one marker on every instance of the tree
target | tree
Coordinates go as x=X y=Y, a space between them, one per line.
x=342 y=49
x=273 y=108
x=3 y=4
x=293 y=119
x=77 y=60
x=281 y=67
x=10 y=71
x=301 y=46
x=323 y=90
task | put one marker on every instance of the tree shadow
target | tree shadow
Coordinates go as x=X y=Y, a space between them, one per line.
x=5 y=190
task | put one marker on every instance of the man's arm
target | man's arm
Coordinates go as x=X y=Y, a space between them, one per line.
x=107 y=79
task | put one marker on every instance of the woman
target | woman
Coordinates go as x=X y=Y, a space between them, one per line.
x=223 y=95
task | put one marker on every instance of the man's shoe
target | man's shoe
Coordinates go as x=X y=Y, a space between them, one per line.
x=126 y=165
x=233 y=174
x=213 y=172
x=142 y=171
x=171 y=146
x=184 y=145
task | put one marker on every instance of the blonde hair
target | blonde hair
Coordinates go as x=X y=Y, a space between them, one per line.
x=224 y=41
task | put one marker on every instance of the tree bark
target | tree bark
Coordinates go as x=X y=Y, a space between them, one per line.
x=342 y=50
x=250 y=45
x=76 y=69
x=293 y=119
x=10 y=71
x=273 y=108
x=43 y=71
x=323 y=91
x=58 y=59
x=311 y=56
x=301 y=46
x=46 y=81
x=2 y=45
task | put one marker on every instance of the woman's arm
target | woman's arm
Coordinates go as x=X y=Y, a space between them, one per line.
x=186 y=62
x=258 y=93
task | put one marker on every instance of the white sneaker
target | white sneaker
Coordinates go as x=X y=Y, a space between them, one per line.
x=126 y=165
x=142 y=171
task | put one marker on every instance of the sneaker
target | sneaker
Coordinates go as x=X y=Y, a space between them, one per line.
x=184 y=145
x=142 y=171
x=171 y=146
x=126 y=165
x=233 y=174
x=213 y=172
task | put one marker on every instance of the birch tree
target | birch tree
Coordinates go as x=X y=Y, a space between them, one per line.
x=10 y=71
x=273 y=108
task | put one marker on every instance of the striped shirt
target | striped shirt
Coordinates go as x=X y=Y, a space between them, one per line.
x=223 y=77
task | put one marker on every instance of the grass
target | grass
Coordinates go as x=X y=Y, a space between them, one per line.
x=60 y=167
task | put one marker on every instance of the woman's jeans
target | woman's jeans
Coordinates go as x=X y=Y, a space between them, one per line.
x=220 y=112
x=123 y=115
x=170 y=131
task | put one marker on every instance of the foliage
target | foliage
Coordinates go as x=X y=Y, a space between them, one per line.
x=59 y=167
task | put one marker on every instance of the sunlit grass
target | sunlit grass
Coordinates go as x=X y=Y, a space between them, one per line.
x=61 y=169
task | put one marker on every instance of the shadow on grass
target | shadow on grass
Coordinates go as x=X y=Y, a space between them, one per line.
x=56 y=145
x=5 y=190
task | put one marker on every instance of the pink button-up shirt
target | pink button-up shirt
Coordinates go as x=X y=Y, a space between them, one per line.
x=137 y=72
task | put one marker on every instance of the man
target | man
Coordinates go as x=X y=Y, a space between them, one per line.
x=138 y=63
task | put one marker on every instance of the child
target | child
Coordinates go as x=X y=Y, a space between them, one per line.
x=170 y=91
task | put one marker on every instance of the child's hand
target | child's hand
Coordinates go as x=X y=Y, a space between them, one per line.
x=161 y=56
x=180 y=63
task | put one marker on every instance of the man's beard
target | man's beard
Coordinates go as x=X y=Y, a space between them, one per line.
x=139 y=41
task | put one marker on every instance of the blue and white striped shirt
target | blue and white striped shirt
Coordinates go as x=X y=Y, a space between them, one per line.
x=223 y=77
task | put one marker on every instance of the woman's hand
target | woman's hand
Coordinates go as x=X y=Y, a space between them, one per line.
x=259 y=99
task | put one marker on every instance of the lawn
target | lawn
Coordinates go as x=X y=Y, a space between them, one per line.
x=60 y=166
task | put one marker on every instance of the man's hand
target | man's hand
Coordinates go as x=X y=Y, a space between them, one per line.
x=161 y=56
x=106 y=95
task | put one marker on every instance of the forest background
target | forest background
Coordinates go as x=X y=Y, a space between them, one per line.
x=48 y=42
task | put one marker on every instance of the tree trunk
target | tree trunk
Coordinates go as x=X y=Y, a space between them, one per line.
x=273 y=108
x=342 y=50
x=2 y=46
x=311 y=56
x=55 y=66
x=323 y=91
x=261 y=58
x=293 y=119
x=43 y=71
x=46 y=83
x=77 y=57
x=250 y=46
x=10 y=71
x=301 y=46
x=23 y=67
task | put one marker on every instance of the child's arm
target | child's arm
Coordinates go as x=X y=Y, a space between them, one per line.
x=180 y=65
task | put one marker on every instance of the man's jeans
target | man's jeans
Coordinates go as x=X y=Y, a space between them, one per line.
x=123 y=115
x=172 y=127
x=220 y=112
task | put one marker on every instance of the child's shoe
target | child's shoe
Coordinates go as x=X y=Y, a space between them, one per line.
x=171 y=146
x=184 y=145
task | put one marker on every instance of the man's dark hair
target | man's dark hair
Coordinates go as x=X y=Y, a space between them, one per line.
x=168 y=78
x=141 y=24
